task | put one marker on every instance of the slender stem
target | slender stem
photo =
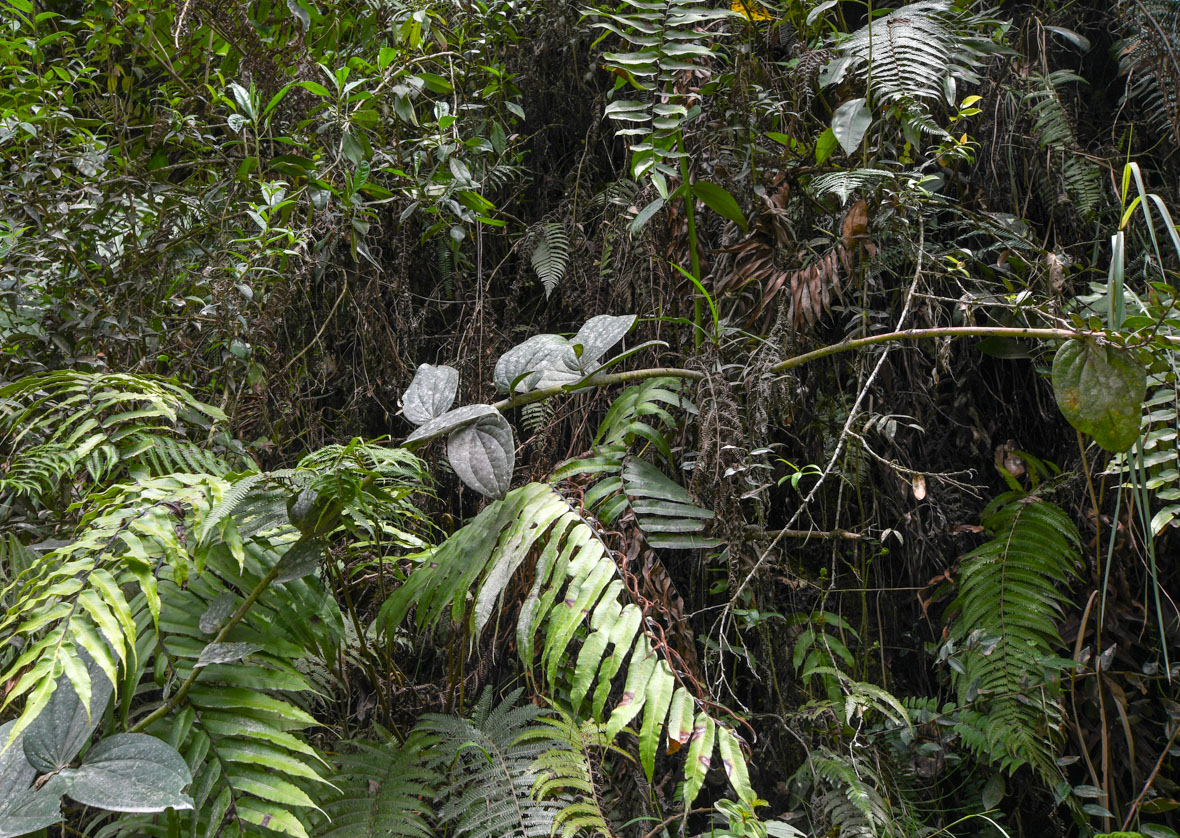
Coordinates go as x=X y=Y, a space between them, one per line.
x=179 y=696
x=698 y=305
x=798 y=360
x=1159 y=763
x=605 y=380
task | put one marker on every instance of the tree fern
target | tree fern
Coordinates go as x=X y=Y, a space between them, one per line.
x=576 y=591
x=1010 y=598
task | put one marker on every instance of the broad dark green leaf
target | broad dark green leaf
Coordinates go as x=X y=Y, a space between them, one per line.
x=849 y=124
x=62 y=729
x=721 y=202
x=1100 y=390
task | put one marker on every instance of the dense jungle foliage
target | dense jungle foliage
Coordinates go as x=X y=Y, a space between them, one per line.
x=639 y=418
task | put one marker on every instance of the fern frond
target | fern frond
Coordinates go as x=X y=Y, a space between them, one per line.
x=917 y=53
x=1081 y=180
x=576 y=590
x=843 y=184
x=64 y=424
x=566 y=772
x=664 y=510
x=488 y=761
x=535 y=416
x=551 y=254
x=382 y=790
x=849 y=799
x=239 y=725
x=665 y=38
x=1148 y=58
x=1010 y=598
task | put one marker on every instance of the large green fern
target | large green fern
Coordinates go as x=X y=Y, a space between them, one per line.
x=192 y=595
x=489 y=773
x=382 y=790
x=66 y=425
x=918 y=53
x=664 y=38
x=1011 y=595
x=664 y=511
x=1080 y=181
x=576 y=591
x=551 y=253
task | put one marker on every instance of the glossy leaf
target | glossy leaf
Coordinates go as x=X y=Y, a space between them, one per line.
x=849 y=124
x=721 y=202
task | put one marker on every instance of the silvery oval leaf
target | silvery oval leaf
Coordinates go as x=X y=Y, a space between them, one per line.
x=16 y=774
x=130 y=772
x=431 y=393
x=537 y=355
x=220 y=608
x=31 y=810
x=483 y=455
x=449 y=421
x=226 y=653
x=303 y=558
x=598 y=335
x=63 y=727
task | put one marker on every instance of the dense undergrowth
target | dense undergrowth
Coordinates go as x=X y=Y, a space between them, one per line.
x=643 y=418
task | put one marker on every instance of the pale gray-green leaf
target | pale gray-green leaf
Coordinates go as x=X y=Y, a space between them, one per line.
x=131 y=772
x=850 y=122
x=598 y=335
x=220 y=608
x=431 y=393
x=449 y=421
x=30 y=810
x=543 y=360
x=226 y=653
x=993 y=791
x=303 y=558
x=483 y=455
x=16 y=774
x=57 y=735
